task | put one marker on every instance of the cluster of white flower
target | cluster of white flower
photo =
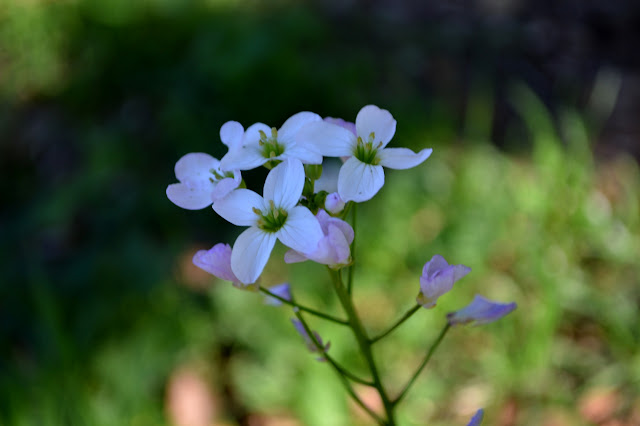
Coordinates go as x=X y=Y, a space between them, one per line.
x=310 y=223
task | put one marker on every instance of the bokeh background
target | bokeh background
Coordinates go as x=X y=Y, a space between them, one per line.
x=532 y=110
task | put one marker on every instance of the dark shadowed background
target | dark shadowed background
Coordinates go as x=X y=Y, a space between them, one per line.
x=532 y=110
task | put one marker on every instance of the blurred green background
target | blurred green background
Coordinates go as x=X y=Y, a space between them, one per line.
x=534 y=183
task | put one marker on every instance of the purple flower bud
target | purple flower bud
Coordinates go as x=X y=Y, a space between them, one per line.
x=333 y=203
x=310 y=344
x=283 y=290
x=216 y=261
x=480 y=311
x=476 y=420
x=437 y=279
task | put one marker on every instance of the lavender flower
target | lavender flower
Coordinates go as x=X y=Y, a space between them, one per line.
x=310 y=344
x=283 y=290
x=333 y=248
x=480 y=311
x=476 y=420
x=437 y=279
x=217 y=262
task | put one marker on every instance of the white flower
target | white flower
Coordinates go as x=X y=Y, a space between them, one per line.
x=201 y=181
x=334 y=247
x=274 y=217
x=362 y=175
x=261 y=144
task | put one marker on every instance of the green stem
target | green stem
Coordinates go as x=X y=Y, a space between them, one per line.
x=433 y=348
x=353 y=250
x=363 y=342
x=405 y=317
x=340 y=371
x=304 y=308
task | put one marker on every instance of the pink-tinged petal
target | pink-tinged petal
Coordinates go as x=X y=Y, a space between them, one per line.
x=476 y=420
x=216 y=261
x=231 y=133
x=437 y=279
x=301 y=231
x=245 y=157
x=195 y=166
x=326 y=221
x=251 y=253
x=284 y=183
x=342 y=123
x=191 y=195
x=402 y=158
x=305 y=154
x=225 y=186
x=292 y=256
x=339 y=251
x=237 y=207
x=295 y=123
x=328 y=139
x=379 y=121
x=358 y=181
x=480 y=311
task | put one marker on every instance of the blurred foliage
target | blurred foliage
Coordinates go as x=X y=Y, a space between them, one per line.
x=99 y=303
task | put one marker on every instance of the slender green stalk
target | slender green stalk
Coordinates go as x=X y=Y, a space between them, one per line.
x=304 y=308
x=353 y=250
x=432 y=349
x=363 y=342
x=405 y=317
x=340 y=371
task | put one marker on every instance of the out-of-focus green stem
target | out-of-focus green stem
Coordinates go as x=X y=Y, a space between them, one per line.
x=340 y=371
x=353 y=249
x=405 y=317
x=363 y=342
x=432 y=349
x=304 y=308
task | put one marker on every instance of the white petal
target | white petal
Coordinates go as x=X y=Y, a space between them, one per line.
x=305 y=154
x=237 y=207
x=231 y=133
x=251 y=253
x=195 y=166
x=244 y=157
x=402 y=158
x=284 y=184
x=224 y=187
x=328 y=139
x=252 y=135
x=295 y=123
x=358 y=181
x=190 y=197
x=301 y=231
x=379 y=121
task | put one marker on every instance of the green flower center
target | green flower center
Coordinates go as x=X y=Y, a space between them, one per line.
x=218 y=175
x=273 y=219
x=366 y=151
x=271 y=148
